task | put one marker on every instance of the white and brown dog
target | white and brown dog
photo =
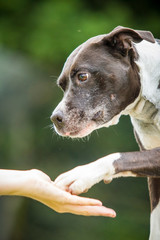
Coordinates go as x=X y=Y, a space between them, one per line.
x=105 y=77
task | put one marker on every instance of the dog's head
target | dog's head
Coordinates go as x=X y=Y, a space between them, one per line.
x=99 y=79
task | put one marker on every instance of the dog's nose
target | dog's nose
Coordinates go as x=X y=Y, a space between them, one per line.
x=57 y=119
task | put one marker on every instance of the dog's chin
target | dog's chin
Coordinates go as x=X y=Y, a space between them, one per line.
x=79 y=133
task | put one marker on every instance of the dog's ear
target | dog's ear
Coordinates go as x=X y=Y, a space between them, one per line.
x=121 y=38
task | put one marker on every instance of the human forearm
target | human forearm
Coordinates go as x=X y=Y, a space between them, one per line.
x=12 y=181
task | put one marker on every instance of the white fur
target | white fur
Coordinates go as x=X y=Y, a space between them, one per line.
x=148 y=134
x=149 y=65
x=84 y=177
x=155 y=224
x=145 y=115
x=125 y=174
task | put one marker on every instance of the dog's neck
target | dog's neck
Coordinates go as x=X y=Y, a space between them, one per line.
x=149 y=67
x=146 y=106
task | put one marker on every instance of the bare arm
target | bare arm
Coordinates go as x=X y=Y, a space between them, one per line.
x=37 y=185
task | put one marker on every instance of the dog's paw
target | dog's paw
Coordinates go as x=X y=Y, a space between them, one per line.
x=79 y=179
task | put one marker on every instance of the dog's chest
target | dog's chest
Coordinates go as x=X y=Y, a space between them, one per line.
x=146 y=122
x=148 y=133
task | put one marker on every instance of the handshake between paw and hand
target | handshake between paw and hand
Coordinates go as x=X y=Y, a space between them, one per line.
x=81 y=178
x=56 y=195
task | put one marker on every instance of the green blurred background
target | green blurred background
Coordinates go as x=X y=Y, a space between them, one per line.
x=35 y=39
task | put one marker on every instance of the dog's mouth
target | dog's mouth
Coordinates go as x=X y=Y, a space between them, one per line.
x=79 y=132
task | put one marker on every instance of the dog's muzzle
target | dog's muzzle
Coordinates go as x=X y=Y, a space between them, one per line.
x=70 y=128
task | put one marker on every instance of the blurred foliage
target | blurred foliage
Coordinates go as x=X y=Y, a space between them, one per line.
x=35 y=39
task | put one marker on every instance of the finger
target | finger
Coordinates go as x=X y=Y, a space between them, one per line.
x=91 y=211
x=67 y=198
x=76 y=200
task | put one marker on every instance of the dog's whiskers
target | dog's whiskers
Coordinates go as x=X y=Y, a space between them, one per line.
x=97 y=132
x=54 y=77
x=49 y=126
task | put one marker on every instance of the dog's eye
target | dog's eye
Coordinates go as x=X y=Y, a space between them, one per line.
x=82 y=77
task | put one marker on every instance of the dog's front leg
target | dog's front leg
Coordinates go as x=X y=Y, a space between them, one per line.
x=80 y=179
x=145 y=163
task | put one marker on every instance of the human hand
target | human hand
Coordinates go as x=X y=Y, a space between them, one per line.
x=38 y=185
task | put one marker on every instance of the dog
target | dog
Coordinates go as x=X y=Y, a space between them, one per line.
x=108 y=76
